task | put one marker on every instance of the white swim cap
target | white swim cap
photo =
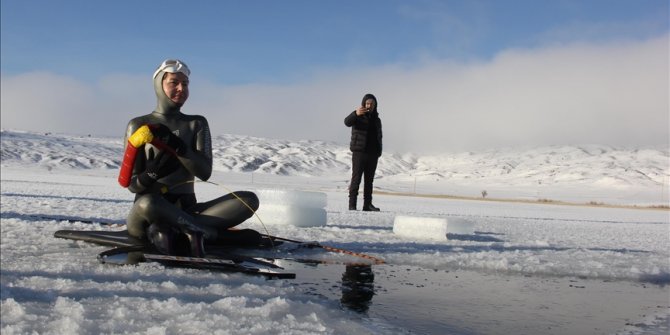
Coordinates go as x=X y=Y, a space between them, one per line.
x=173 y=66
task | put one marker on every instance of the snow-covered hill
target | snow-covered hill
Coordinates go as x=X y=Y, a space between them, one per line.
x=641 y=170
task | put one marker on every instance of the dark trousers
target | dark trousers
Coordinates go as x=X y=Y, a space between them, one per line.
x=363 y=165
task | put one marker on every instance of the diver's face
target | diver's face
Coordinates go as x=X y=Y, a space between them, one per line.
x=175 y=86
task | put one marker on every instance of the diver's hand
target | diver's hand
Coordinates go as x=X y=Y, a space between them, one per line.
x=157 y=167
x=168 y=138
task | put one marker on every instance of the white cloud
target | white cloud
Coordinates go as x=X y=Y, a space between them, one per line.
x=47 y=102
x=614 y=93
x=607 y=94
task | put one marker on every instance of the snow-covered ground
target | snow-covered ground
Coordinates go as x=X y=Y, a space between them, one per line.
x=529 y=268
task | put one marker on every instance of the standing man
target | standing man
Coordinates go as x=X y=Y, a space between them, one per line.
x=366 y=147
x=165 y=151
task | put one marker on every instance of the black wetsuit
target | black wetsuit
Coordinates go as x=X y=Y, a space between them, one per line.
x=171 y=200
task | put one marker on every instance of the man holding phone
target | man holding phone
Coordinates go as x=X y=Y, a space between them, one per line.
x=366 y=148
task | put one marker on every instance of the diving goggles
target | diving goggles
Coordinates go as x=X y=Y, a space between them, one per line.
x=173 y=66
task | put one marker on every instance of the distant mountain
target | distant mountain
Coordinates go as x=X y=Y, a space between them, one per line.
x=591 y=164
x=59 y=151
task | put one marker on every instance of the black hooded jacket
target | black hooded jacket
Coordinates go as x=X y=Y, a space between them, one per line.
x=366 y=130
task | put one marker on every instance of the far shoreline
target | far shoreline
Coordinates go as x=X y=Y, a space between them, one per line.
x=526 y=201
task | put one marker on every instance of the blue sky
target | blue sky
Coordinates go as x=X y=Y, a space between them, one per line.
x=268 y=60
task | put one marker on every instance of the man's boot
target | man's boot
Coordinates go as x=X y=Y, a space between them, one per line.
x=368 y=207
x=352 y=203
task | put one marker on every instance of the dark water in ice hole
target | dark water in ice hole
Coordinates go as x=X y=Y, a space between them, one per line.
x=425 y=301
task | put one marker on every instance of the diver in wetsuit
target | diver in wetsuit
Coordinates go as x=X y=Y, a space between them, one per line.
x=165 y=211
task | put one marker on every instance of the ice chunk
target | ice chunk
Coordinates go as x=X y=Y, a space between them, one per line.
x=298 y=216
x=287 y=207
x=431 y=228
x=292 y=198
x=425 y=228
x=460 y=226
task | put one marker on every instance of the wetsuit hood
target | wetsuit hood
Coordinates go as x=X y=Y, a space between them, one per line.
x=164 y=105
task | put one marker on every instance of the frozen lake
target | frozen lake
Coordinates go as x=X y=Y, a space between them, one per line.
x=527 y=268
